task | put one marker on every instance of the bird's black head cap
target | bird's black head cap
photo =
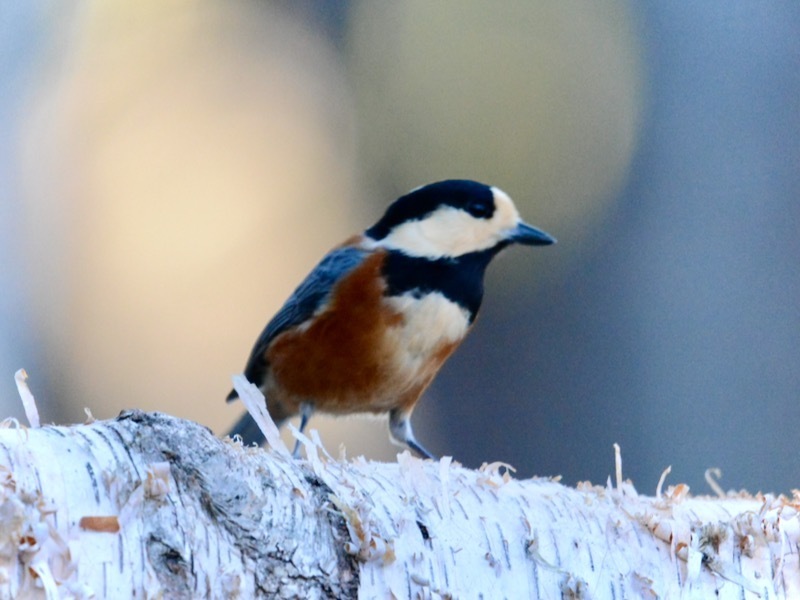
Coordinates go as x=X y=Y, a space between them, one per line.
x=471 y=196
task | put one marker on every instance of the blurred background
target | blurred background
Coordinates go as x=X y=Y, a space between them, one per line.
x=170 y=171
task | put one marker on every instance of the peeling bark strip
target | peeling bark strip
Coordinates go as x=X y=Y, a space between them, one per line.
x=150 y=505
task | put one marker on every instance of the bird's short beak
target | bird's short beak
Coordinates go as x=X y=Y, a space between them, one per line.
x=530 y=236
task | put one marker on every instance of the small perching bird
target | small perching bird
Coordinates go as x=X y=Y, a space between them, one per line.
x=372 y=324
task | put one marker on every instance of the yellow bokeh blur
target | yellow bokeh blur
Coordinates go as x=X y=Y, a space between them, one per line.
x=176 y=152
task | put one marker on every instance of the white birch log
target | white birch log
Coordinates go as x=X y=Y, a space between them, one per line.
x=148 y=506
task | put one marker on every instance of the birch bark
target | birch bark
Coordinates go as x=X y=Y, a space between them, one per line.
x=148 y=505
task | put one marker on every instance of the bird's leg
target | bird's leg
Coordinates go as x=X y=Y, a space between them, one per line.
x=401 y=433
x=306 y=410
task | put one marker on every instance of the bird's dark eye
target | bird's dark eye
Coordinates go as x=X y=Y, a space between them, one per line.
x=480 y=209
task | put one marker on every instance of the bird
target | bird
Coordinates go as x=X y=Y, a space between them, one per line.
x=371 y=325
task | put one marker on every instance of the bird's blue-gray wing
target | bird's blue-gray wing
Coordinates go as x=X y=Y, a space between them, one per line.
x=312 y=293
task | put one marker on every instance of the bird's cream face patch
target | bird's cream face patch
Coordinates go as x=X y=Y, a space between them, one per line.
x=450 y=231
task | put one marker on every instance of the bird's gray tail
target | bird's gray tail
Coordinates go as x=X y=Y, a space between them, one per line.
x=247 y=428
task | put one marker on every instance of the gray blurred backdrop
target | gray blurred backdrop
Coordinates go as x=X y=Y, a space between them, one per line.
x=169 y=171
